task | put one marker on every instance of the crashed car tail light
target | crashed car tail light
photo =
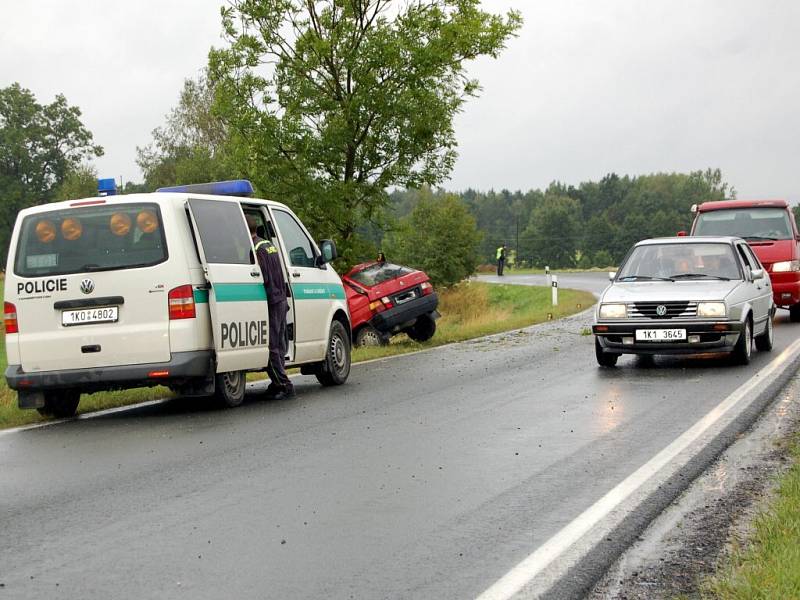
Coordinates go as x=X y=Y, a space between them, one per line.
x=387 y=302
x=181 y=303
x=377 y=305
x=10 y=318
x=427 y=288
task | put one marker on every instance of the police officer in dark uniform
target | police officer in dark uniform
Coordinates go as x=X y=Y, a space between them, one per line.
x=269 y=261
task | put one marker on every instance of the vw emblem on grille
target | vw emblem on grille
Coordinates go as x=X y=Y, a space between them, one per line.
x=87 y=286
x=661 y=310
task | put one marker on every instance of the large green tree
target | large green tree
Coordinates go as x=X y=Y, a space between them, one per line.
x=335 y=101
x=192 y=146
x=439 y=236
x=40 y=145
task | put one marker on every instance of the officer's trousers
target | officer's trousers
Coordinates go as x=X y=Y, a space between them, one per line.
x=276 y=369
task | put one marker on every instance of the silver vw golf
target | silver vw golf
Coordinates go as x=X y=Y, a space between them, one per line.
x=685 y=295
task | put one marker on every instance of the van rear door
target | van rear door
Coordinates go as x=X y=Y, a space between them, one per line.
x=85 y=282
x=237 y=298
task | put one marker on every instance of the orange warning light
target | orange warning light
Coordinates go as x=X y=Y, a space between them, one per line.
x=71 y=229
x=147 y=221
x=45 y=231
x=120 y=224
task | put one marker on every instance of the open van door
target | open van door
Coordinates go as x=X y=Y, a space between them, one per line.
x=237 y=298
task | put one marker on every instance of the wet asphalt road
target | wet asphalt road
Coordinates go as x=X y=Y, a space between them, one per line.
x=426 y=476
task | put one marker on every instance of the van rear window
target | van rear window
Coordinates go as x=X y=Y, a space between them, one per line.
x=93 y=238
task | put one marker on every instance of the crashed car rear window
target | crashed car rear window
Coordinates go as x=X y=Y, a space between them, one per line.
x=92 y=238
x=378 y=273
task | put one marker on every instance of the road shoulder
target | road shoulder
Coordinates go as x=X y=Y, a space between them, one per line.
x=698 y=530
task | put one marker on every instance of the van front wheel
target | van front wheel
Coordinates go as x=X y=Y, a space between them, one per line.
x=60 y=404
x=229 y=388
x=335 y=369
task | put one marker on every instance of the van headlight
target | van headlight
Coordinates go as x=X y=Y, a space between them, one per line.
x=786 y=266
x=613 y=311
x=711 y=309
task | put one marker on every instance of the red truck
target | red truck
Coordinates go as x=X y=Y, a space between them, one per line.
x=770 y=229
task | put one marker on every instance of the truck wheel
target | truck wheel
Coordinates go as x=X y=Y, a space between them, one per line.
x=60 y=404
x=744 y=345
x=336 y=366
x=423 y=329
x=229 y=388
x=765 y=340
x=604 y=359
x=794 y=313
x=368 y=336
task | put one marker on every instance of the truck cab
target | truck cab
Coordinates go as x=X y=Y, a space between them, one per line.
x=770 y=229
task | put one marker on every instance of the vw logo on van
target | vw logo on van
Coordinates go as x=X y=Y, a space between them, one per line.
x=661 y=310
x=87 y=286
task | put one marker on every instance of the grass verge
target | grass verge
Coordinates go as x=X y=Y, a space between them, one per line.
x=470 y=310
x=769 y=566
x=474 y=309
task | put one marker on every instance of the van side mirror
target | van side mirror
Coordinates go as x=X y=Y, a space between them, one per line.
x=328 y=250
x=611 y=275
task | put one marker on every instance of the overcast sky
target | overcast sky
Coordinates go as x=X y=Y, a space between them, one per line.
x=588 y=87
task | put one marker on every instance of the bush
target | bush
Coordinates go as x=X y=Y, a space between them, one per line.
x=439 y=237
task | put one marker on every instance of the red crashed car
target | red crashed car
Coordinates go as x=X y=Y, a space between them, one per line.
x=385 y=299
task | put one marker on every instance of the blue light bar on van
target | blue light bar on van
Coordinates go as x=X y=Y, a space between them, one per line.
x=106 y=187
x=235 y=187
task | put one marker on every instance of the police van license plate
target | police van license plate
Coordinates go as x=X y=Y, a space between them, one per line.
x=660 y=335
x=85 y=316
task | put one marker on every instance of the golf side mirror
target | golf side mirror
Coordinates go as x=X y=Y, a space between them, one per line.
x=757 y=274
x=612 y=275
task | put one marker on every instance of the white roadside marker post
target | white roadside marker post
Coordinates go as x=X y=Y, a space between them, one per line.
x=554 y=287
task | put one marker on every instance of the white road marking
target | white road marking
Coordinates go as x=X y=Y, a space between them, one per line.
x=524 y=573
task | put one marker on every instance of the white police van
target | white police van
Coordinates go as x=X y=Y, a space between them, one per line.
x=128 y=291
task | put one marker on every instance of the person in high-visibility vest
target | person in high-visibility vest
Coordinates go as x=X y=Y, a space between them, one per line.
x=501 y=260
x=269 y=261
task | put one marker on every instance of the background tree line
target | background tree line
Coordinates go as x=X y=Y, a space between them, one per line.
x=591 y=224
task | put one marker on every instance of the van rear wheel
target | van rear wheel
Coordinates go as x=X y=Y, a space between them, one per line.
x=60 y=404
x=229 y=388
x=335 y=369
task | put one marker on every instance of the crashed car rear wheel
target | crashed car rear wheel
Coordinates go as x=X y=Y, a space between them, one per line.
x=423 y=329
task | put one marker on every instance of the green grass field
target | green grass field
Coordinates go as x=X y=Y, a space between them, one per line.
x=769 y=566
x=469 y=310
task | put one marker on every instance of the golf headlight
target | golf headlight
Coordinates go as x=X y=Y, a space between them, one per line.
x=613 y=311
x=786 y=266
x=711 y=309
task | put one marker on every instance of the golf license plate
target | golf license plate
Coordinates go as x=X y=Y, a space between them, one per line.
x=660 y=335
x=85 y=316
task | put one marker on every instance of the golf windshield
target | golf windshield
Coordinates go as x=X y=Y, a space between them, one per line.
x=748 y=223
x=680 y=261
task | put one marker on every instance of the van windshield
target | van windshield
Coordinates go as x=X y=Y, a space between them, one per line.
x=748 y=223
x=93 y=238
